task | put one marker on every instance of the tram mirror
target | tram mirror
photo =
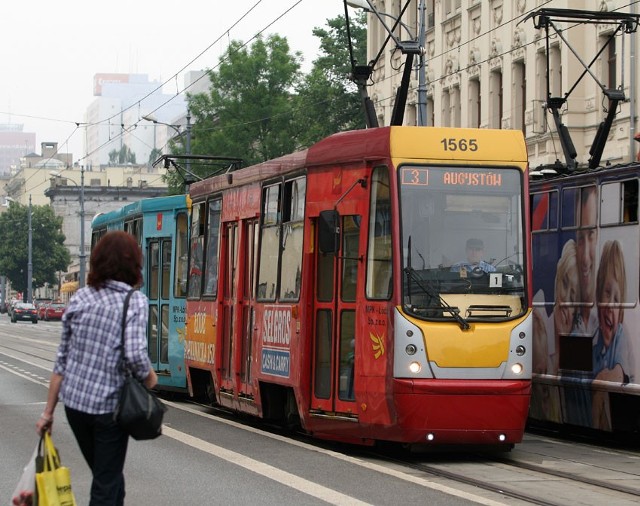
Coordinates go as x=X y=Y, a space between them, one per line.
x=329 y=231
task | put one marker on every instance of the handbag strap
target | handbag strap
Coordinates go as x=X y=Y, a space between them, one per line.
x=124 y=326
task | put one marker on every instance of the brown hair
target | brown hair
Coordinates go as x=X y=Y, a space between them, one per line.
x=612 y=266
x=116 y=256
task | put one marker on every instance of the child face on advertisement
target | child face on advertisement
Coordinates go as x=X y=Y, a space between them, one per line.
x=609 y=310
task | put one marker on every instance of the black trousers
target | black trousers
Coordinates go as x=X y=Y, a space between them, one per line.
x=104 y=446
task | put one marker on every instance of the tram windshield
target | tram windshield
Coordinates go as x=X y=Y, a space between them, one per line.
x=463 y=244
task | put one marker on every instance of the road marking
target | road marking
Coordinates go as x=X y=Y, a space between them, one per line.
x=288 y=479
x=33 y=378
x=273 y=473
x=352 y=460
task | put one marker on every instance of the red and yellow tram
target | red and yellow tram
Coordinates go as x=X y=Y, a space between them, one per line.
x=341 y=287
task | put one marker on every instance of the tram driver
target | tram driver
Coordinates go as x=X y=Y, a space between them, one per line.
x=474 y=261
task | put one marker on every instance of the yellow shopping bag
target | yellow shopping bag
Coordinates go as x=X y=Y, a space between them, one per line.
x=53 y=481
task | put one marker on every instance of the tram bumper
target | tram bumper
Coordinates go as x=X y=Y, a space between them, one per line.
x=461 y=411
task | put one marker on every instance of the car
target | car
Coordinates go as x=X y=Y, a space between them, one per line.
x=24 y=311
x=53 y=311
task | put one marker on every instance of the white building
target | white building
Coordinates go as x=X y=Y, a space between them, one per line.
x=114 y=118
x=486 y=67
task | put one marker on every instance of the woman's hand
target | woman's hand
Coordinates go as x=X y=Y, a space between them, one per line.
x=45 y=423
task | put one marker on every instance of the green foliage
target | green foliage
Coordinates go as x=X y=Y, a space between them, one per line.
x=247 y=111
x=260 y=106
x=329 y=100
x=122 y=156
x=48 y=252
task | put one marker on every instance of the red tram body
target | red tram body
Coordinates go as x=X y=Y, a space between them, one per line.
x=305 y=304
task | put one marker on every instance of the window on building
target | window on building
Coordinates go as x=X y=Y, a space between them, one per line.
x=474 y=103
x=519 y=96
x=495 y=96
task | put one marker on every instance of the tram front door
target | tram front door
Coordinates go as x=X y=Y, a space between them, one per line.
x=335 y=317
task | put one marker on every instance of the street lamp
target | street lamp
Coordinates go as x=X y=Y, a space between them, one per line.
x=176 y=128
x=81 y=255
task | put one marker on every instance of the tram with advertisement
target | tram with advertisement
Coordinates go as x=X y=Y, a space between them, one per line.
x=161 y=226
x=586 y=245
x=340 y=288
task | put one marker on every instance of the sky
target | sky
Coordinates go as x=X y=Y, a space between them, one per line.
x=50 y=51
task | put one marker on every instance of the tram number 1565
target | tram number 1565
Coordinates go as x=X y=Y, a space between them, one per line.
x=451 y=144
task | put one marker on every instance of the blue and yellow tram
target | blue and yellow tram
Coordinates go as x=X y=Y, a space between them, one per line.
x=161 y=227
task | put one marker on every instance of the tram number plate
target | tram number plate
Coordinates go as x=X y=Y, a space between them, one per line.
x=453 y=144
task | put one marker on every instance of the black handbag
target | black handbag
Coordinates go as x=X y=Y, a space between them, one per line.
x=139 y=412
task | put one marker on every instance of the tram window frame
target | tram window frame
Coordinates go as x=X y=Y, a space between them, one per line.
x=375 y=290
x=550 y=219
x=571 y=206
x=281 y=221
x=292 y=237
x=270 y=221
x=626 y=194
x=181 y=265
x=196 y=238
x=212 y=258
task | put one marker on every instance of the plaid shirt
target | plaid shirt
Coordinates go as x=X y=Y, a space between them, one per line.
x=90 y=351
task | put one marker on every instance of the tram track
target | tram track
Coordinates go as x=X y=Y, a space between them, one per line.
x=557 y=481
x=527 y=490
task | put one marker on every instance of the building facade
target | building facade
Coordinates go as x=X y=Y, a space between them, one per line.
x=485 y=66
x=115 y=118
x=14 y=145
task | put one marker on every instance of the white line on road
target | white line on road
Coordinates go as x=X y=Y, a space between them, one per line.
x=352 y=460
x=273 y=473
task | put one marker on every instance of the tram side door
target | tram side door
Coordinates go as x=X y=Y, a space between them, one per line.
x=229 y=304
x=335 y=320
x=247 y=299
x=159 y=286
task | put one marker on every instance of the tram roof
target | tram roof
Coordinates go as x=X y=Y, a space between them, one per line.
x=357 y=146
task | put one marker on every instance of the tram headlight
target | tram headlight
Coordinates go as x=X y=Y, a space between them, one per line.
x=520 y=350
x=517 y=368
x=411 y=349
x=415 y=367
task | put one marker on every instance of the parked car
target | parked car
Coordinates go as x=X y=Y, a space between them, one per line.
x=24 y=311
x=53 y=311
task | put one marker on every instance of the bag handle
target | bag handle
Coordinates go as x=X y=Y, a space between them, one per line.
x=124 y=326
x=50 y=457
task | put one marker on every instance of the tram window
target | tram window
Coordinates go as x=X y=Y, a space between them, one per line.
x=350 y=240
x=610 y=204
x=271 y=205
x=630 y=201
x=166 y=268
x=182 y=246
x=154 y=252
x=347 y=355
x=197 y=244
x=292 y=238
x=544 y=211
x=164 y=334
x=619 y=202
x=269 y=243
x=213 y=244
x=322 y=359
x=379 y=250
x=153 y=333
x=569 y=202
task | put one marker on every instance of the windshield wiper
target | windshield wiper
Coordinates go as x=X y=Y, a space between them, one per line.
x=453 y=311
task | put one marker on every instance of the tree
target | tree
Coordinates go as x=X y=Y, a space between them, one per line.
x=247 y=112
x=260 y=106
x=328 y=99
x=48 y=252
x=122 y=156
